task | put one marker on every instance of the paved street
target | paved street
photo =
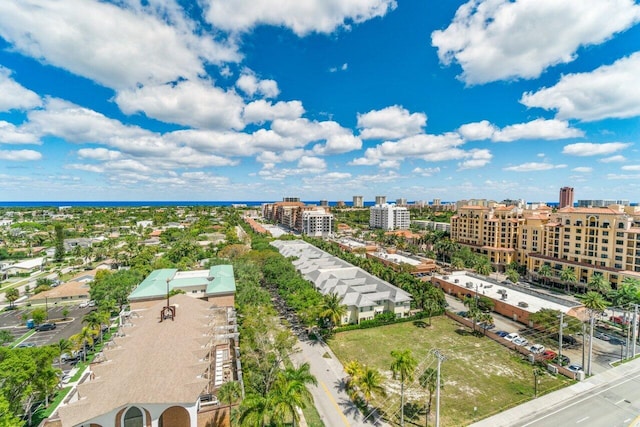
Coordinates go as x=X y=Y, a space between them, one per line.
x=331 y=401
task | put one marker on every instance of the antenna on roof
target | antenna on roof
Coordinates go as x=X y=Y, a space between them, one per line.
x=167 y=312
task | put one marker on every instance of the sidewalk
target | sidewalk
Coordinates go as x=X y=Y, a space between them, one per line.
x=512 y=416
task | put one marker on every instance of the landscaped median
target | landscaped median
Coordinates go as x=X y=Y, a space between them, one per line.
x=480 y=377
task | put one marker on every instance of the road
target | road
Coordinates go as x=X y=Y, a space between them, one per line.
x=610 y=405
x=330 y=399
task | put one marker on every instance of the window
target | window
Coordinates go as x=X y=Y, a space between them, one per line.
x=133 y=418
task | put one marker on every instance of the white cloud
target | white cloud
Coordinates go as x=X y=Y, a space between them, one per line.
x=20 y=155
x=271 y=158
x=504 y=39
x=611 y=91
x=260 y=111
x=302 y=17
x=99 y=154
x=10 y=134
x=392 y=122
x=426 y=171
x=613 y=159
x=634 y=177
x=583 y=169
x=15 y=96
x=252 y=86
x=631 y=168
x=191 y=103
x=313 y=164
x=479 y=158
x=537 y=129
x=533 y=167
x=336 y=138
x=116 y=47
x=592 y=149
x=477 y=131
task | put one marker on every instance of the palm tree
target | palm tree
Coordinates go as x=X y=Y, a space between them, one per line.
x=370 y=383
x=568 y=276
x=332 y=309
x=599 y=284
x=403 y=365
x=429 y=381
x=289 y=392
x=512 y=274
x=63 y=346
x=255 y=411
x=474 y=311
x=12 y=295
x=94 y=320
x=595 y=303
x=83 y=339
x=230 y=392
x=545 y=272
x=483 y=266
x=430 y=306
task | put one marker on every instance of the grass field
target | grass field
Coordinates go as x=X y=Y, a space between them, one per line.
x=480 y=377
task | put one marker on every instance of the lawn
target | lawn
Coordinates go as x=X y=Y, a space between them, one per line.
x=480 y=377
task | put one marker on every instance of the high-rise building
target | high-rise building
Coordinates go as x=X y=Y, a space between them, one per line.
x=389 y=217
x=291 y=199
x=401 y=202
x=381 y=200
x=436 y=202
x=358 y=201
x=601 y=203
x=324 y=203
x=566 y=197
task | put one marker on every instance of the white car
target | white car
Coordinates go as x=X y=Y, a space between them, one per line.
x=520 y=341
x=512 y=336
x=574 y=368
x=537 y=349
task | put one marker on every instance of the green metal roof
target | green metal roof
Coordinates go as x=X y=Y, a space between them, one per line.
x=218 y=280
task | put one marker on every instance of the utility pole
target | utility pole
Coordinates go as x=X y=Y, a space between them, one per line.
x=583 y=336
x=560 y=339
x=441 y=358
x=635 y=329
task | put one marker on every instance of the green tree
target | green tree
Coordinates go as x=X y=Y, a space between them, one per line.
x=545 y=272
x=39 y=315
x=59 y=243
x=7 y=419
x=598 y=283
x=568 y=276
x=429 y=381
x=332 y=309
x=512 y=275
x=431 y=306
x=5 y=337
x=594 y=303
x=230 y=393
x=483 y=266
x=62 y=346
x=370 y=383
x=403 y=365
x=255 y=410
x=12 y=295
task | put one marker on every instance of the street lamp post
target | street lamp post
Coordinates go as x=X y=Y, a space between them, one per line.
x=46 y=307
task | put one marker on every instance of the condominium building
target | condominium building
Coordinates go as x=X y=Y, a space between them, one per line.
x=306 y=219
x=601 y=203
x=588 y=240
x=566 y=197
x=381 y=200
x=317 y=223
x=389 y=217
x=401 y=202
x=358 y=201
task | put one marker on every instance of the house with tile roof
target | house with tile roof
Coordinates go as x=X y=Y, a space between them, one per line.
x=364 y=294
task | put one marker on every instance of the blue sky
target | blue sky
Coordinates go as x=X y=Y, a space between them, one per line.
x=321 y=99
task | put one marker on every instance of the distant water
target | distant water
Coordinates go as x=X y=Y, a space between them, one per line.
x=133 y=203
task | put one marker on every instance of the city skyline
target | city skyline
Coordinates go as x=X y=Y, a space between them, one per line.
x=237 y=100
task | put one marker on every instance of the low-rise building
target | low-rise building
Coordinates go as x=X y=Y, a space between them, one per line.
x=364 y=294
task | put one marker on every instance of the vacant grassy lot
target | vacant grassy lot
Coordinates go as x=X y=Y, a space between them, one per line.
x=480 y=376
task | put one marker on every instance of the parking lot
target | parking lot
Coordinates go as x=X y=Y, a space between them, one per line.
x=12 y=321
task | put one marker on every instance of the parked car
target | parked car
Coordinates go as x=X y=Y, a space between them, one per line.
x=602 y=336
x=520 y=341
x=462 y=313
x=46 y=327
x=562 y=361
x=619 y=320
x=487 y=326
x=575 y=368
x=26 y=345
x=83 y=304
x=567 y=340
x=549 y=355
x=512 y=336
x=502 y=333
x=536 y=349
x=617 y=341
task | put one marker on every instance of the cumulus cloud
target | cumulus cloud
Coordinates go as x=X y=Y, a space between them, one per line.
x=10 y=134
x=631 y=168
x=504 y=39
x=271 y=158
x=592 y=149
x=15 y=96
x=537 y=129
x=99 y=154
x=611 y=91
x=583 y=169
x=613 y=159
x=477 y=131
x=392 y=122
x=426 y=171
x=260 y=111
x=192 y=103
x=322 y=16
x=533 y=167
x=478 y=158
x=20 y=155
x=336 y=138
x=252 y=86
x=94 y=39
x=313 y=164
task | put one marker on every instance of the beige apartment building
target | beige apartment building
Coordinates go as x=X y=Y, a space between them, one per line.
x=589 y=240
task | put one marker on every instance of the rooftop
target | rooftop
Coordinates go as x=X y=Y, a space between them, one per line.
x=218 y=279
